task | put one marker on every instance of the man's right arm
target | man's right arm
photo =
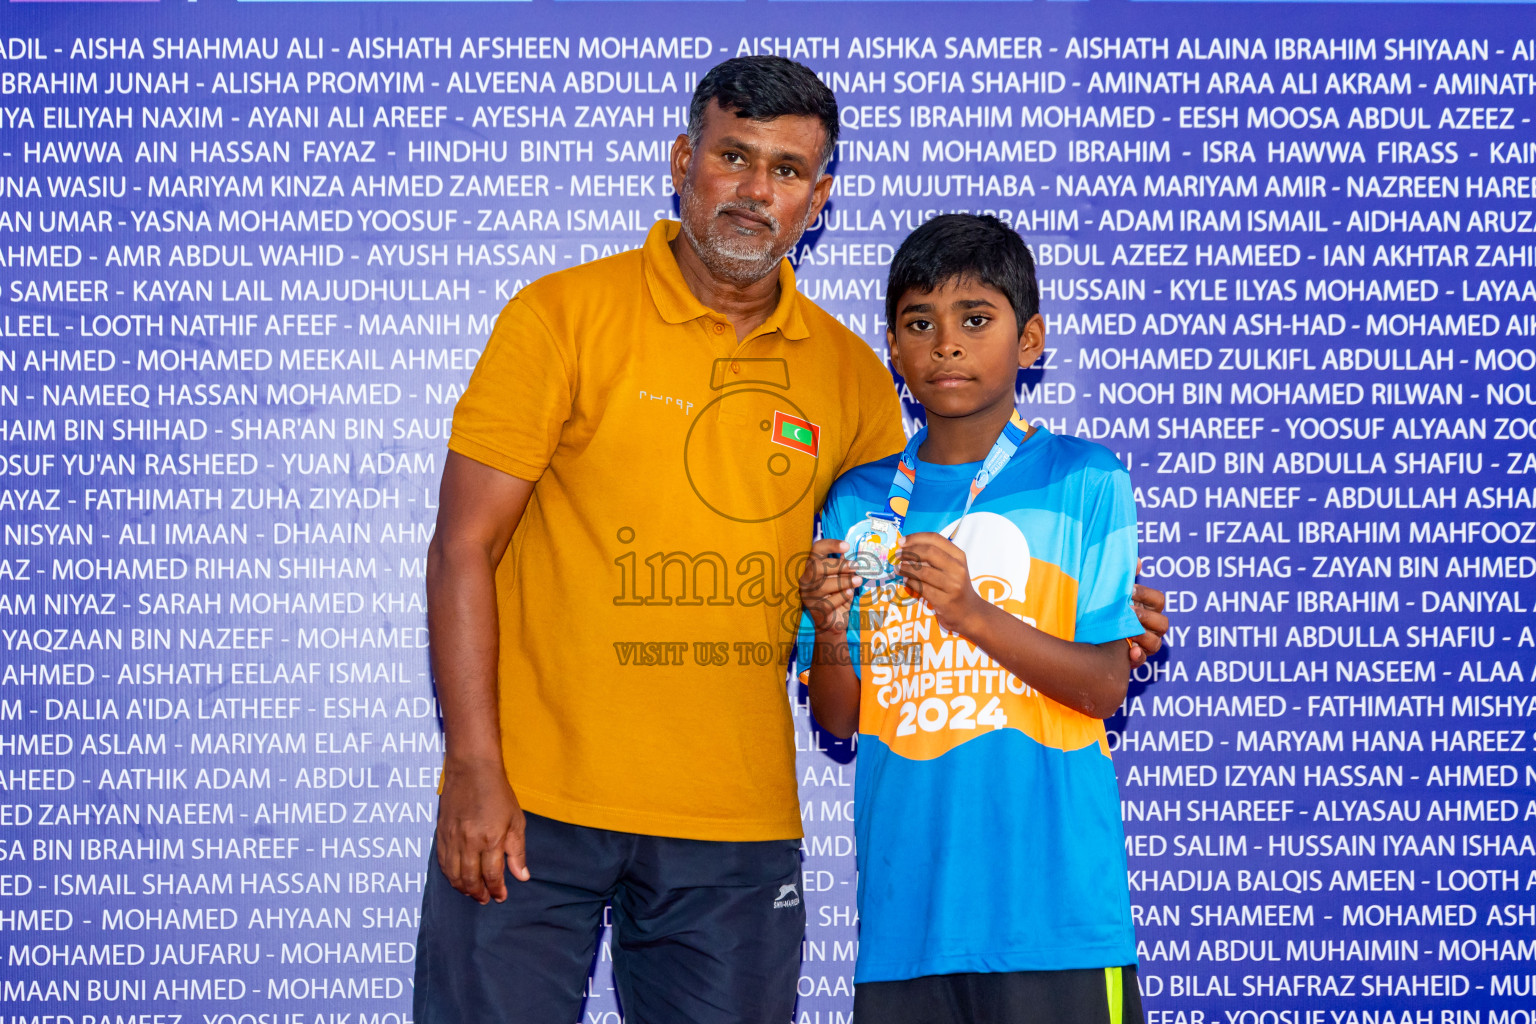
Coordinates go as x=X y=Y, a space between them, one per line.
x=479 y=822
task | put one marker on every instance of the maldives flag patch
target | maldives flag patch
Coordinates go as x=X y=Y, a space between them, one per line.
x=793 y=432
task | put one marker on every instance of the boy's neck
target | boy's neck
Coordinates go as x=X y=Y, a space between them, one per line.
x=951 y=442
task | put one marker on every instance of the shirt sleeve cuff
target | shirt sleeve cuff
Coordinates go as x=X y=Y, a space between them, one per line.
x=509 y=464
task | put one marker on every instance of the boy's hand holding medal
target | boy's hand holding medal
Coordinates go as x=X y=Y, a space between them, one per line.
x=827 y=585
x=935 y=569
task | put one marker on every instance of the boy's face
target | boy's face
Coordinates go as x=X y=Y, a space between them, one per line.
x=960 y=348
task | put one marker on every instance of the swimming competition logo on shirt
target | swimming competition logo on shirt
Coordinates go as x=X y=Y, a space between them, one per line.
x=926 y=690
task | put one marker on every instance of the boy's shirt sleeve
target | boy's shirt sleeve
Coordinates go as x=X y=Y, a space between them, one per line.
x=1109 y=562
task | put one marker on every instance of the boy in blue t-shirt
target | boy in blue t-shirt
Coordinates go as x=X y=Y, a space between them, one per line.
x=974 y=635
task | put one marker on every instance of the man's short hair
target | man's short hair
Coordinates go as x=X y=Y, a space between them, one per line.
x=970 y=247
x=763 y=88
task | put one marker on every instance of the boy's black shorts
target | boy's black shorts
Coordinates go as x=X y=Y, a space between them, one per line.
x=1021 y=997
x=703 y=932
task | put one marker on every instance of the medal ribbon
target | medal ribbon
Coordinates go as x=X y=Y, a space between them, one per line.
x=1015 y=431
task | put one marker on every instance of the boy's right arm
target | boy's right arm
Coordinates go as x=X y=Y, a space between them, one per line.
x=827 y=586
x=479 y=822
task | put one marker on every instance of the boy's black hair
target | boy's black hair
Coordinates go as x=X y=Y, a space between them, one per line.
x=763 y=88
x=965 y=246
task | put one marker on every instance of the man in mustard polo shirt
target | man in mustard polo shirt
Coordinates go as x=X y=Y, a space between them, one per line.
x=634 y=468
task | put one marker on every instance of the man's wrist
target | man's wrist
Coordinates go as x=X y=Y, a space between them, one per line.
x=474 y=761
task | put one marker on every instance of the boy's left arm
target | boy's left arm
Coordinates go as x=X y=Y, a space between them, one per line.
x=1090 y=678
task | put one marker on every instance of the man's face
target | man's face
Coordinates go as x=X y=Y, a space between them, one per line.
x=748 y=190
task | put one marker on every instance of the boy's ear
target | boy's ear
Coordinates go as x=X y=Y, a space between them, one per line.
x=890 y=347
x=1031 y=342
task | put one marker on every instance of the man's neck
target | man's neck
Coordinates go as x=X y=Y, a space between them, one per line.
x=951 y=442
x=747 y=306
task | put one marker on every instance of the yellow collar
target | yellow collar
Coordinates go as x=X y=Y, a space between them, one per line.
x=678 y=305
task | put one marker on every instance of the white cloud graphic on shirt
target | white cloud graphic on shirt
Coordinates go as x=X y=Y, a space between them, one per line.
x=996 y=550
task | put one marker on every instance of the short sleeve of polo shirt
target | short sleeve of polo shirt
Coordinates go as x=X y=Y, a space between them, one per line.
x=880 y=432
x=1109 y=560
x=519 y=397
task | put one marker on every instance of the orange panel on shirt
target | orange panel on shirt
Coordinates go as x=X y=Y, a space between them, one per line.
x=911 y=660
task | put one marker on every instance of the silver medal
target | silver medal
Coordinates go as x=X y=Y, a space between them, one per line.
x=872 y=545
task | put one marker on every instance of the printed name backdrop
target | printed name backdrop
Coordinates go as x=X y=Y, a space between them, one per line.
x=249 y=254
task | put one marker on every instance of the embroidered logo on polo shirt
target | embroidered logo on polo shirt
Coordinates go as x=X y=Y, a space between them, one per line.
x=794 y=432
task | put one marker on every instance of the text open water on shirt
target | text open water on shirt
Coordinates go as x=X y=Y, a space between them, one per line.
x=935 y=690
x=751 y=452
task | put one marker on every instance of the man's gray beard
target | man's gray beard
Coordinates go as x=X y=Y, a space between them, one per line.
x=743 y=266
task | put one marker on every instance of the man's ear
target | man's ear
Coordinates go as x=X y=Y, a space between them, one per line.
x=682 y=156
x=1031 y=342
x=820 y=193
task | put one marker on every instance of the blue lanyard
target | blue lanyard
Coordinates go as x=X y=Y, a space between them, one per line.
x=1015 y=432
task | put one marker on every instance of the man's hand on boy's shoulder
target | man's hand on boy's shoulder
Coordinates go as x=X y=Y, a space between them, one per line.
x=1148 y=605
x=936 y=570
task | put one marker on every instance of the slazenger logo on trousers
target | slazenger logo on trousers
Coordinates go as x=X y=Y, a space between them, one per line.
x=789 y=896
